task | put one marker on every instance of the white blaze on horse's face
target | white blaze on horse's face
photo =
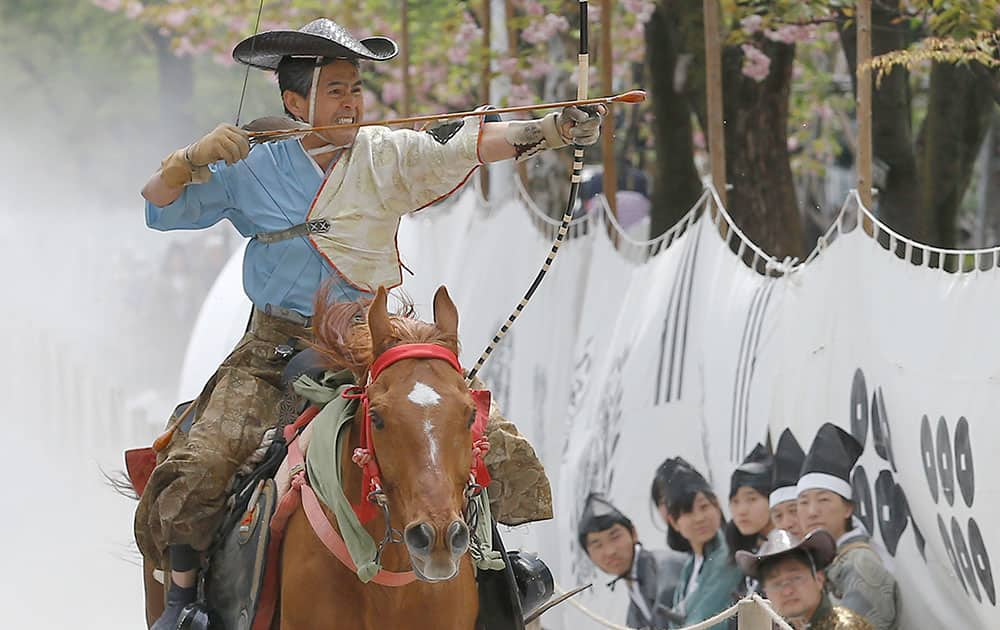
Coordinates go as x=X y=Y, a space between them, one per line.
x=424 y=395
x=431 y=441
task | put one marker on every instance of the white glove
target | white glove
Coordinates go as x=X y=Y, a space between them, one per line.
x=190 y=164
x=225 y=142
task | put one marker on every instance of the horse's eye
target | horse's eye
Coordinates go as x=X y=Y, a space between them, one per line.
x=377 y=421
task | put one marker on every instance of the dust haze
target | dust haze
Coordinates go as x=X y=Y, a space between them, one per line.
x=97 y=311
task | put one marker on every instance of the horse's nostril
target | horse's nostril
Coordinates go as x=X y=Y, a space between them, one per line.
x=419 y=537
x=458 y=537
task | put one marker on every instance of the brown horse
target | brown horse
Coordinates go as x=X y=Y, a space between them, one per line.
x=421 y=411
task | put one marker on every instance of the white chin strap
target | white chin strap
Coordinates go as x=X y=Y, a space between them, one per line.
x=328 y=147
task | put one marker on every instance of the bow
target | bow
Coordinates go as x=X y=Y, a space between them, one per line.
x=583 y=81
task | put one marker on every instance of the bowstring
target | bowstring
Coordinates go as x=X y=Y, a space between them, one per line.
x=246 y=75
x=239 y=111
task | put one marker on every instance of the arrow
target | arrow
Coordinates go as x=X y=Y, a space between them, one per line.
x=631 y=97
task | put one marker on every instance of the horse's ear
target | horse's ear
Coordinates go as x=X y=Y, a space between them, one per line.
x=378 y=322
x=445 y=313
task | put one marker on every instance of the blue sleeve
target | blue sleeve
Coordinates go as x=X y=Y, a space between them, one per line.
x=201 y=206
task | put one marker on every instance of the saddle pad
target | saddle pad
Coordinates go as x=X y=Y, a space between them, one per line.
x=236 y=571
x=139 y=464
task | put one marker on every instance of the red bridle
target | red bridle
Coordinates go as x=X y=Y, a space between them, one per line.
x=364 y=456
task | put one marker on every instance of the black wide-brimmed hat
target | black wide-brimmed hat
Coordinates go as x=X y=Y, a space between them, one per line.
x=819 y=544
x=319 y=38
x=754 y=472
x=788 y=458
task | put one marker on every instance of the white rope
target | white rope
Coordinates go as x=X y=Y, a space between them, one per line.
x=942 y=252
x=852 y=207
x=703 y=625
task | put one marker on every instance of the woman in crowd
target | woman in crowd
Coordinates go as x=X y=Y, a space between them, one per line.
x=749 y=488
x=695 y=527
x=857 y=578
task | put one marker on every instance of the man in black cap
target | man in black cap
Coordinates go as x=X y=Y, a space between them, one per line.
x=611 y=543
x=783 y=500
x=791 y=571
x=858 y=578
x=321 y=211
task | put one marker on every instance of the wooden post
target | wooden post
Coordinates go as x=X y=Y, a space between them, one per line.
x=752 y=617
x=407 y=88
x=610 y=176
x=713 y=91
x=864 y=102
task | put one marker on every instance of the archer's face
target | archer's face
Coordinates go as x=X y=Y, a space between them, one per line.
x=339 y=100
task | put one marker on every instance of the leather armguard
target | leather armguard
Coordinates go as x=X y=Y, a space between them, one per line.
x=530 y=137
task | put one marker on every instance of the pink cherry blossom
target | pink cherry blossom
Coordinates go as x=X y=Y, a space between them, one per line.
x=756 y=64
x=533 y=7
x=507 y=66
x=752 y=24
x=175 y=17
x=546 y=29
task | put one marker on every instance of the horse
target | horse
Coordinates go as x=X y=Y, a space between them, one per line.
x=421 y=411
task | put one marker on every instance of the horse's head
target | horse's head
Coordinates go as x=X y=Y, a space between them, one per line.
x=421 y=414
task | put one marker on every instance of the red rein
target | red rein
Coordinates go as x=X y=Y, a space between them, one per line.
x=365 y=457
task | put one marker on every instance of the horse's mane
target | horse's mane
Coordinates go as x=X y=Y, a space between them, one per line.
x=342 y=338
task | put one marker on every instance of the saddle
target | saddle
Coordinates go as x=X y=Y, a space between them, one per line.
x=234 y=592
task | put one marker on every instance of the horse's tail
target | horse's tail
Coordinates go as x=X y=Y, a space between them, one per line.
x=120 y=483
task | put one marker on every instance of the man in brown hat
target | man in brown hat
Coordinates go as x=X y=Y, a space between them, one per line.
x=791 y=572
x=321 y=209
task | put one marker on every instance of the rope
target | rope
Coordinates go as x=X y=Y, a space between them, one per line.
x=732 y=611
x=894 y=238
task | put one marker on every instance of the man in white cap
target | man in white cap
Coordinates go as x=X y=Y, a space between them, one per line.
x=788 y=458
x=858 y=578
x=791 y=573
x=320 y=211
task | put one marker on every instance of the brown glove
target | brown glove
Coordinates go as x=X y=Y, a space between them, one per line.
x=190 y=164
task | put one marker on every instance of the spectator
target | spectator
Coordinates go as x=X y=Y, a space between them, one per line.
x=695 y=526
x=661 y=478
x=749 y=488
x=788 y=458
x=791 y=571
x=611 y=543
x=858 y=579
